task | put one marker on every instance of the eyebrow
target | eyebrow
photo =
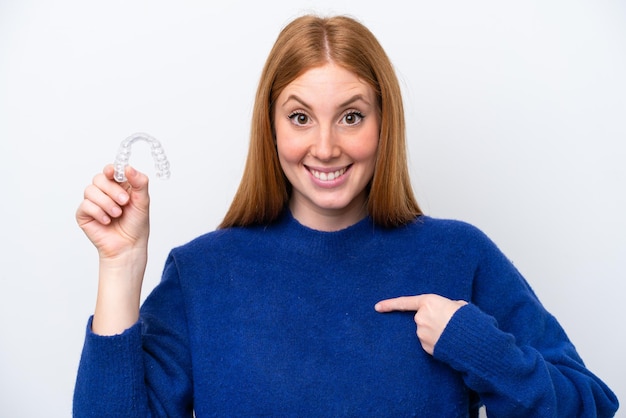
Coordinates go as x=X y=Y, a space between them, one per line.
x=355 y=98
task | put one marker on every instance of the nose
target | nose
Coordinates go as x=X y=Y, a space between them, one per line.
x=326 y=146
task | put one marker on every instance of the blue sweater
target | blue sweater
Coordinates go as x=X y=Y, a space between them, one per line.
x=280 y=321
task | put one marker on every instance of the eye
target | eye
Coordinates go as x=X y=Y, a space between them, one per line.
x=299 y=118
x=352 y=117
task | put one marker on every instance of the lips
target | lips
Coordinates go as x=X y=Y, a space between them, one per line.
x=328 y=174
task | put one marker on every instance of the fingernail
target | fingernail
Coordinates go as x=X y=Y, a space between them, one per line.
x=115 y=211
x=122 y=198
x=106 y=220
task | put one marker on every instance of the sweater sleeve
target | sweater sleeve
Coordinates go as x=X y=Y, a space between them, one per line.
x=514 y=354
x=146 y=370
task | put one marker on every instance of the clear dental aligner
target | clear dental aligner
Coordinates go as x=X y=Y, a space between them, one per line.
x=123 y=154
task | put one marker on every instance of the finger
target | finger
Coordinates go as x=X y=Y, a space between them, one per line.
x=105 y=182
x=134 y=179
x=137 y=180
x=136 y=188
x=402 y=303
x=107 y=194
x=88 y=211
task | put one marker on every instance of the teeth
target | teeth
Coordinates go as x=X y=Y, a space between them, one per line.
x=328 y=176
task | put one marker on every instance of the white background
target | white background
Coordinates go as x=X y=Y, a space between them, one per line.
x=516 y=123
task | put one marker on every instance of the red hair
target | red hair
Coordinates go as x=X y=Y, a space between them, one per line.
x=308 y=42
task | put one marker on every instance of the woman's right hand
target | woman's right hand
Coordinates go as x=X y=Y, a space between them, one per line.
x=115 y=216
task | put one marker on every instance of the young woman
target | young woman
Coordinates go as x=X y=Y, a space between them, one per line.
x=305 y=301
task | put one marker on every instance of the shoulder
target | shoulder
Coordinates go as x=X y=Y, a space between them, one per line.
x=443 y=224
x=219 y=242
x=451 y=236
x=215 y=253
x=451 y=230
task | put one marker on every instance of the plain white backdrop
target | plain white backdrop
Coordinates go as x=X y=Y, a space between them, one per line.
x=516 y=123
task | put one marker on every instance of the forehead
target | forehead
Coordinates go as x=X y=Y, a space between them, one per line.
x=328 y=79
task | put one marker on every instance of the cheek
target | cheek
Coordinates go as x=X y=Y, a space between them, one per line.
x=288 y=150
x=368 y=139
x=365 y=149
x=283 y=145
x=287 y=144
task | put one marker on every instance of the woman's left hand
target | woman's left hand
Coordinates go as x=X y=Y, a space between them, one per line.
x=432 y=314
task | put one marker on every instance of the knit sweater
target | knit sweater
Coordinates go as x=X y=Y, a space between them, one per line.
x=280 y=321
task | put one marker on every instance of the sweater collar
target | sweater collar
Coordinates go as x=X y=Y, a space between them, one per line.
x=300 y=238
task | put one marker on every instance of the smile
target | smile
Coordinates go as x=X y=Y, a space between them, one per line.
x=327 y=175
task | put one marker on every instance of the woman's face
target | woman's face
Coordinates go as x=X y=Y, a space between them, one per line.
x=327 y=128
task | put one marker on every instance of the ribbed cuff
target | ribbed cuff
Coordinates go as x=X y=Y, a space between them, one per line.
x=473 y=343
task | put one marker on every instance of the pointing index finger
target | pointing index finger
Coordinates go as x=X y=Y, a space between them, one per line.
x=402 y=303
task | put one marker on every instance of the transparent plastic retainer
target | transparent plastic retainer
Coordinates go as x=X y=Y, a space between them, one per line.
x=123 y=154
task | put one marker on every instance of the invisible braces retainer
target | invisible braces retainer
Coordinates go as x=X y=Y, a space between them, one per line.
x=123 y=154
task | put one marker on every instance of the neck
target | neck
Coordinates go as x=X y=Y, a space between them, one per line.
x=328 y=220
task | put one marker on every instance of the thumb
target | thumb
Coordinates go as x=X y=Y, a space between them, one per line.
x=138 y=183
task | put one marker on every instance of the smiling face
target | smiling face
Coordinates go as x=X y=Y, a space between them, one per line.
x=327 y=127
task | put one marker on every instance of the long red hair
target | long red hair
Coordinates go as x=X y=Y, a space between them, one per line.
x=307 y=42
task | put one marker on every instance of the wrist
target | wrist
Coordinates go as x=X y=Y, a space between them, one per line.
x=129 y=265
x=119 y=292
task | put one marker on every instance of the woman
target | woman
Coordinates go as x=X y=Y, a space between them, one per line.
x=294 y=306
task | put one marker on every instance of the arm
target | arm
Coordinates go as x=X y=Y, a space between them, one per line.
x=129 y=366
x=115 y=219
x=146 y=370
x=519 y=377
x=508 y=348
